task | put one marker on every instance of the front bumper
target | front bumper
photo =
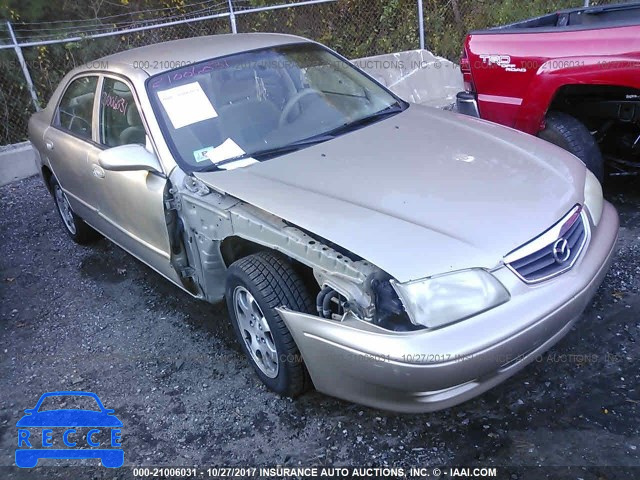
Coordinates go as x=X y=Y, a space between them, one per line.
x=429 y=370
x=467 y=104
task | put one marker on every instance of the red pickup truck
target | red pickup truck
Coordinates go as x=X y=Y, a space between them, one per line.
x=570 y=77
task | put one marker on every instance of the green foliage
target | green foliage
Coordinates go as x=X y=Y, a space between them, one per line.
x=445 y=33
x=15 y=101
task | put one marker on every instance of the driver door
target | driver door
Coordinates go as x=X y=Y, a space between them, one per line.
x=131 y=203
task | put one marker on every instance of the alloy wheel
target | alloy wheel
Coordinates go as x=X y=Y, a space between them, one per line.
x=255 y=331
x=65 y=209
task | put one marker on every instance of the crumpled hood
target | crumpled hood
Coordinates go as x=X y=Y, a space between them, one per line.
x=420 y=193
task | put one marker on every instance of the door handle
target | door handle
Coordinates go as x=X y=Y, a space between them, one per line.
x=49 y=145
x=98 y=171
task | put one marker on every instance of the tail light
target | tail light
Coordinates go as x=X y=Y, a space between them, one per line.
x=465 y=68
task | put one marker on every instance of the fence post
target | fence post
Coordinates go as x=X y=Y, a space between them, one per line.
x=421 y=24
x=232 y=18
x=23 y=65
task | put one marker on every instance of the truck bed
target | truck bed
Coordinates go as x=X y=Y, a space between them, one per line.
x=585 y=18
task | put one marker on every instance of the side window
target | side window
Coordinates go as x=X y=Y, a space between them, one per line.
x=76 y=106
x=120 y=122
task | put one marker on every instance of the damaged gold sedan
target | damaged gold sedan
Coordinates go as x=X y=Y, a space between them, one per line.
x=389 y=254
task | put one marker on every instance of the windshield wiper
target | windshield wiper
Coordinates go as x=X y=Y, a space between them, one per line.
x=281 y=150
x=374 y=117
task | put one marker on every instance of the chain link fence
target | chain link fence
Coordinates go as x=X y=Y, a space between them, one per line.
x=355 y=28
x=15 y=100
x=48 y=63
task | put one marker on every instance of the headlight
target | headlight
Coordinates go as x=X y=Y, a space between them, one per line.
x=444 y=299
x=593 y=197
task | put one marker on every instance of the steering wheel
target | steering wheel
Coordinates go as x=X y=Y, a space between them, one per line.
x=292 y=102
x=77 y=122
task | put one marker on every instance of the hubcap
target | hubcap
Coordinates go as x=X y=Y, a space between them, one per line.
x=255 y=331
x=65 y=209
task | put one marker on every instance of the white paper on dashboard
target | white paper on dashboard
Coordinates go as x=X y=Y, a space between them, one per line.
x=227 y=149
x=186 y=104
x=245 y=162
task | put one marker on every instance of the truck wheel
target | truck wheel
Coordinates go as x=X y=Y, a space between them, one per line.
x=571 y=134
x=255 y=286
x=77 y=229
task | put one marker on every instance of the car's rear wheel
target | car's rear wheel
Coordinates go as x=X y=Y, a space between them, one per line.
x=256 y=286
x=112 y=459
x=571 y=134
x=26 y=459
x=77 y=229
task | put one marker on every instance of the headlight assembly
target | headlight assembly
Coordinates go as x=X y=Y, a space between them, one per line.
x=440 y=300
x=593 y=197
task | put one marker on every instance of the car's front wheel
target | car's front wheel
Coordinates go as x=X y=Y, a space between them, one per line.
x=256 y=286
x=77 y=228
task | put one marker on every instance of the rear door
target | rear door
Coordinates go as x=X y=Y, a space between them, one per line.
x=69 y=142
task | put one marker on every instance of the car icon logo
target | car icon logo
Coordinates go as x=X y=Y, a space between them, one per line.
x=561 y=251
x=80 y=431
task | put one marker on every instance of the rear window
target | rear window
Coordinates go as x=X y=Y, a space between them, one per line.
x=69 y=402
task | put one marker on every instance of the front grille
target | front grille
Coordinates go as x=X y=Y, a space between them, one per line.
x=560 y=248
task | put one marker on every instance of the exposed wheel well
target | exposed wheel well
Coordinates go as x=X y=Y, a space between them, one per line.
x=234 y=248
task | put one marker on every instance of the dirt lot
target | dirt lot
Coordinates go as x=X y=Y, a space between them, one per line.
x=95 y=319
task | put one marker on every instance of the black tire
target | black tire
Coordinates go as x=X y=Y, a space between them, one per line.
x=272 y=282
x=77 y=228
x=571 y=134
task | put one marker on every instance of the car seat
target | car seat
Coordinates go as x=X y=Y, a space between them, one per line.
x=134 y=132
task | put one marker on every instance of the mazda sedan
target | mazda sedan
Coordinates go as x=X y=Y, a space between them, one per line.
x=389 y=254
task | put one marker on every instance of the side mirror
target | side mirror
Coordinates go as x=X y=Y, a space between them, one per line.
x=127 y=158
x=30 y=411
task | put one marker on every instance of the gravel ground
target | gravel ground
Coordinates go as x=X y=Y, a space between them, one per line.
x=95 y=319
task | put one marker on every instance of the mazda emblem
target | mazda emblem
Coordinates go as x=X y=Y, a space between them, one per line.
x=561 y=251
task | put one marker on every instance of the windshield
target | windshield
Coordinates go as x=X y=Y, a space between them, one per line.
x=233 y=111
x=75 y=402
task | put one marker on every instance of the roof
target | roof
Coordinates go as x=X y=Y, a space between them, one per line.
x=161 y=57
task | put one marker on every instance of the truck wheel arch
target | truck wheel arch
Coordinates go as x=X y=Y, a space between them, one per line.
x=563 y=93
x=550 y=84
